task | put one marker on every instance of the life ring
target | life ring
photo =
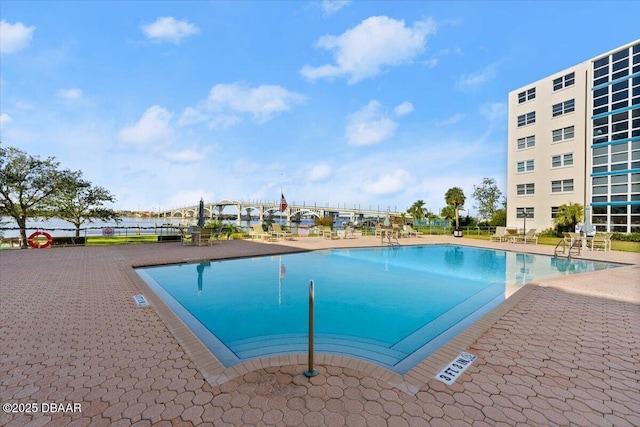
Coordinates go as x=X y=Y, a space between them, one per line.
x=35 y=244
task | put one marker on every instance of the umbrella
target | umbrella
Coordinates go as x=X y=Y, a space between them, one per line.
x=201 y=214
x=386 y=220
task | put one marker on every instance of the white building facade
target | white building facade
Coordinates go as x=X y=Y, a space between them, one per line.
x=574 y=137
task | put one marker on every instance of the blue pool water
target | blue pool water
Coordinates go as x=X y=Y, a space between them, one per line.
x=388 y=306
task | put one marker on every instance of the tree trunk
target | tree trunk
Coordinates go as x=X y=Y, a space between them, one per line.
x=22 y=223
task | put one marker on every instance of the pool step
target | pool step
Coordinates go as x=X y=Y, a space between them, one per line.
x=371 y=350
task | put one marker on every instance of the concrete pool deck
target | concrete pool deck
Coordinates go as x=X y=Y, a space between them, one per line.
x=562 y=352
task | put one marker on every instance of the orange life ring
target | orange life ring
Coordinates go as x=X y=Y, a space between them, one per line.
x=34 y=244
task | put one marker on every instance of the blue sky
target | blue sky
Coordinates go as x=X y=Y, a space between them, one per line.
x=336 y=102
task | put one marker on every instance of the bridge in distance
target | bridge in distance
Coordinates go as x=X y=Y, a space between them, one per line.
x=263 y=209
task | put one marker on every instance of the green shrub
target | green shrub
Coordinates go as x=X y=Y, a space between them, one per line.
x=323 y=221
x=626 y=237
x=550 y=232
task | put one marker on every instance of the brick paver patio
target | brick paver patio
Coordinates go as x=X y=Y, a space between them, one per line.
x=564 y=352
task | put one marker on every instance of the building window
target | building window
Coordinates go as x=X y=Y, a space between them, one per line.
x=562 y=160
x=526 y=166
x=563 y=134
x=554 y=211
x=563 y=108
x=527 y=119
x=528 y=142
x=562 y=186
x=527 y=95
x=525 y=189
x=521 y=211
x=564 y=81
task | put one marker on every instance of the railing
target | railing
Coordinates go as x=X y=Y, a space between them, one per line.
x=97 y=235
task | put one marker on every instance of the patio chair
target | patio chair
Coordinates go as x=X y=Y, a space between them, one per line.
x=206 y=237
x=279 y=233
x=600 y=241
x=186 y=237
x=408 y=231
x=529 y=237
x=500 y=235
x=328 y=233
x=259 y=233
x=512 y=235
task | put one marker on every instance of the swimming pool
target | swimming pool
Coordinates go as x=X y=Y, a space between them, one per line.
x=392 y=307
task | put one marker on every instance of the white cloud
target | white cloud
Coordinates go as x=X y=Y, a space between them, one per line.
x=226 y=104
x=169 y=29
x=390 y=183
x=403 y=109
x=5 y=119
x=430 y=63
x=14 y=37
x=319 y=171
x=70 y=93
x=369 y=125
x=153 y=127
x=364 y=50
x=450 y=120
x=185 y=156
x=332 y=6
x=473 y=81
x=494 y=111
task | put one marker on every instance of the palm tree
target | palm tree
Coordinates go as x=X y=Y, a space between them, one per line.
x=417 y=210
x=455 y=198
x=569 y=215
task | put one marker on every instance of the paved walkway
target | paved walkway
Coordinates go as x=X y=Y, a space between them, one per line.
x=564 y=352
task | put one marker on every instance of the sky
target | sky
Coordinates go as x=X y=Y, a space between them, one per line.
x=369 y=104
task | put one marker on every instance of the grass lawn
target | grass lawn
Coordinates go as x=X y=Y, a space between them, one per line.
x=616 y=245
x=120 y=240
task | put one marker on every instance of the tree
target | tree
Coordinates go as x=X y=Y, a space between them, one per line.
x=448 y=213
x=455 y=198
x=417 y=210
x=28 y=186
x=569 y=215
x=488 y=196
x=499 y=217
x=78 y=201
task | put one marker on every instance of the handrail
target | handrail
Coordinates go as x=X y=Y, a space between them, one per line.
x=311 y=372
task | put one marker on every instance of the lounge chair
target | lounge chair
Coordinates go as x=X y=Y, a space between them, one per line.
x=206 y=237
x=187 y=237
x=500 y=235
x=328 y=233
x=600 y=241
x=408 y=231
x=279 y=233
x=259 y=233
x=530 y=237
x=512 y=235
x=348 y=233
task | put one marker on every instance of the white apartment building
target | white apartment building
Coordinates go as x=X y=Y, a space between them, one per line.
x=574 y=137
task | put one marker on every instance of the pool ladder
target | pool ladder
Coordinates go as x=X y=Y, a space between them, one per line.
x=392 y=240
x=568 y=248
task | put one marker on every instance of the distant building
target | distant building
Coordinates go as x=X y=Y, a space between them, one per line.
x=575 y=137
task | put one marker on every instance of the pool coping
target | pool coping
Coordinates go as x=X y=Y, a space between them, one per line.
x=216 y=374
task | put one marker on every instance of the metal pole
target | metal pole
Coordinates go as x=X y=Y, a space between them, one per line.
x=311 y=372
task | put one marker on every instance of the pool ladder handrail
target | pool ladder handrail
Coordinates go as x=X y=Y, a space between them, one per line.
x=389 y=237
x=575 y=245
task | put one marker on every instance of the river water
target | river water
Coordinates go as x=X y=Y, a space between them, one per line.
x=58 y=228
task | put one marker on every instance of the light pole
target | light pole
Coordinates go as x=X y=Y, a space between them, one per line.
x=525 y=213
